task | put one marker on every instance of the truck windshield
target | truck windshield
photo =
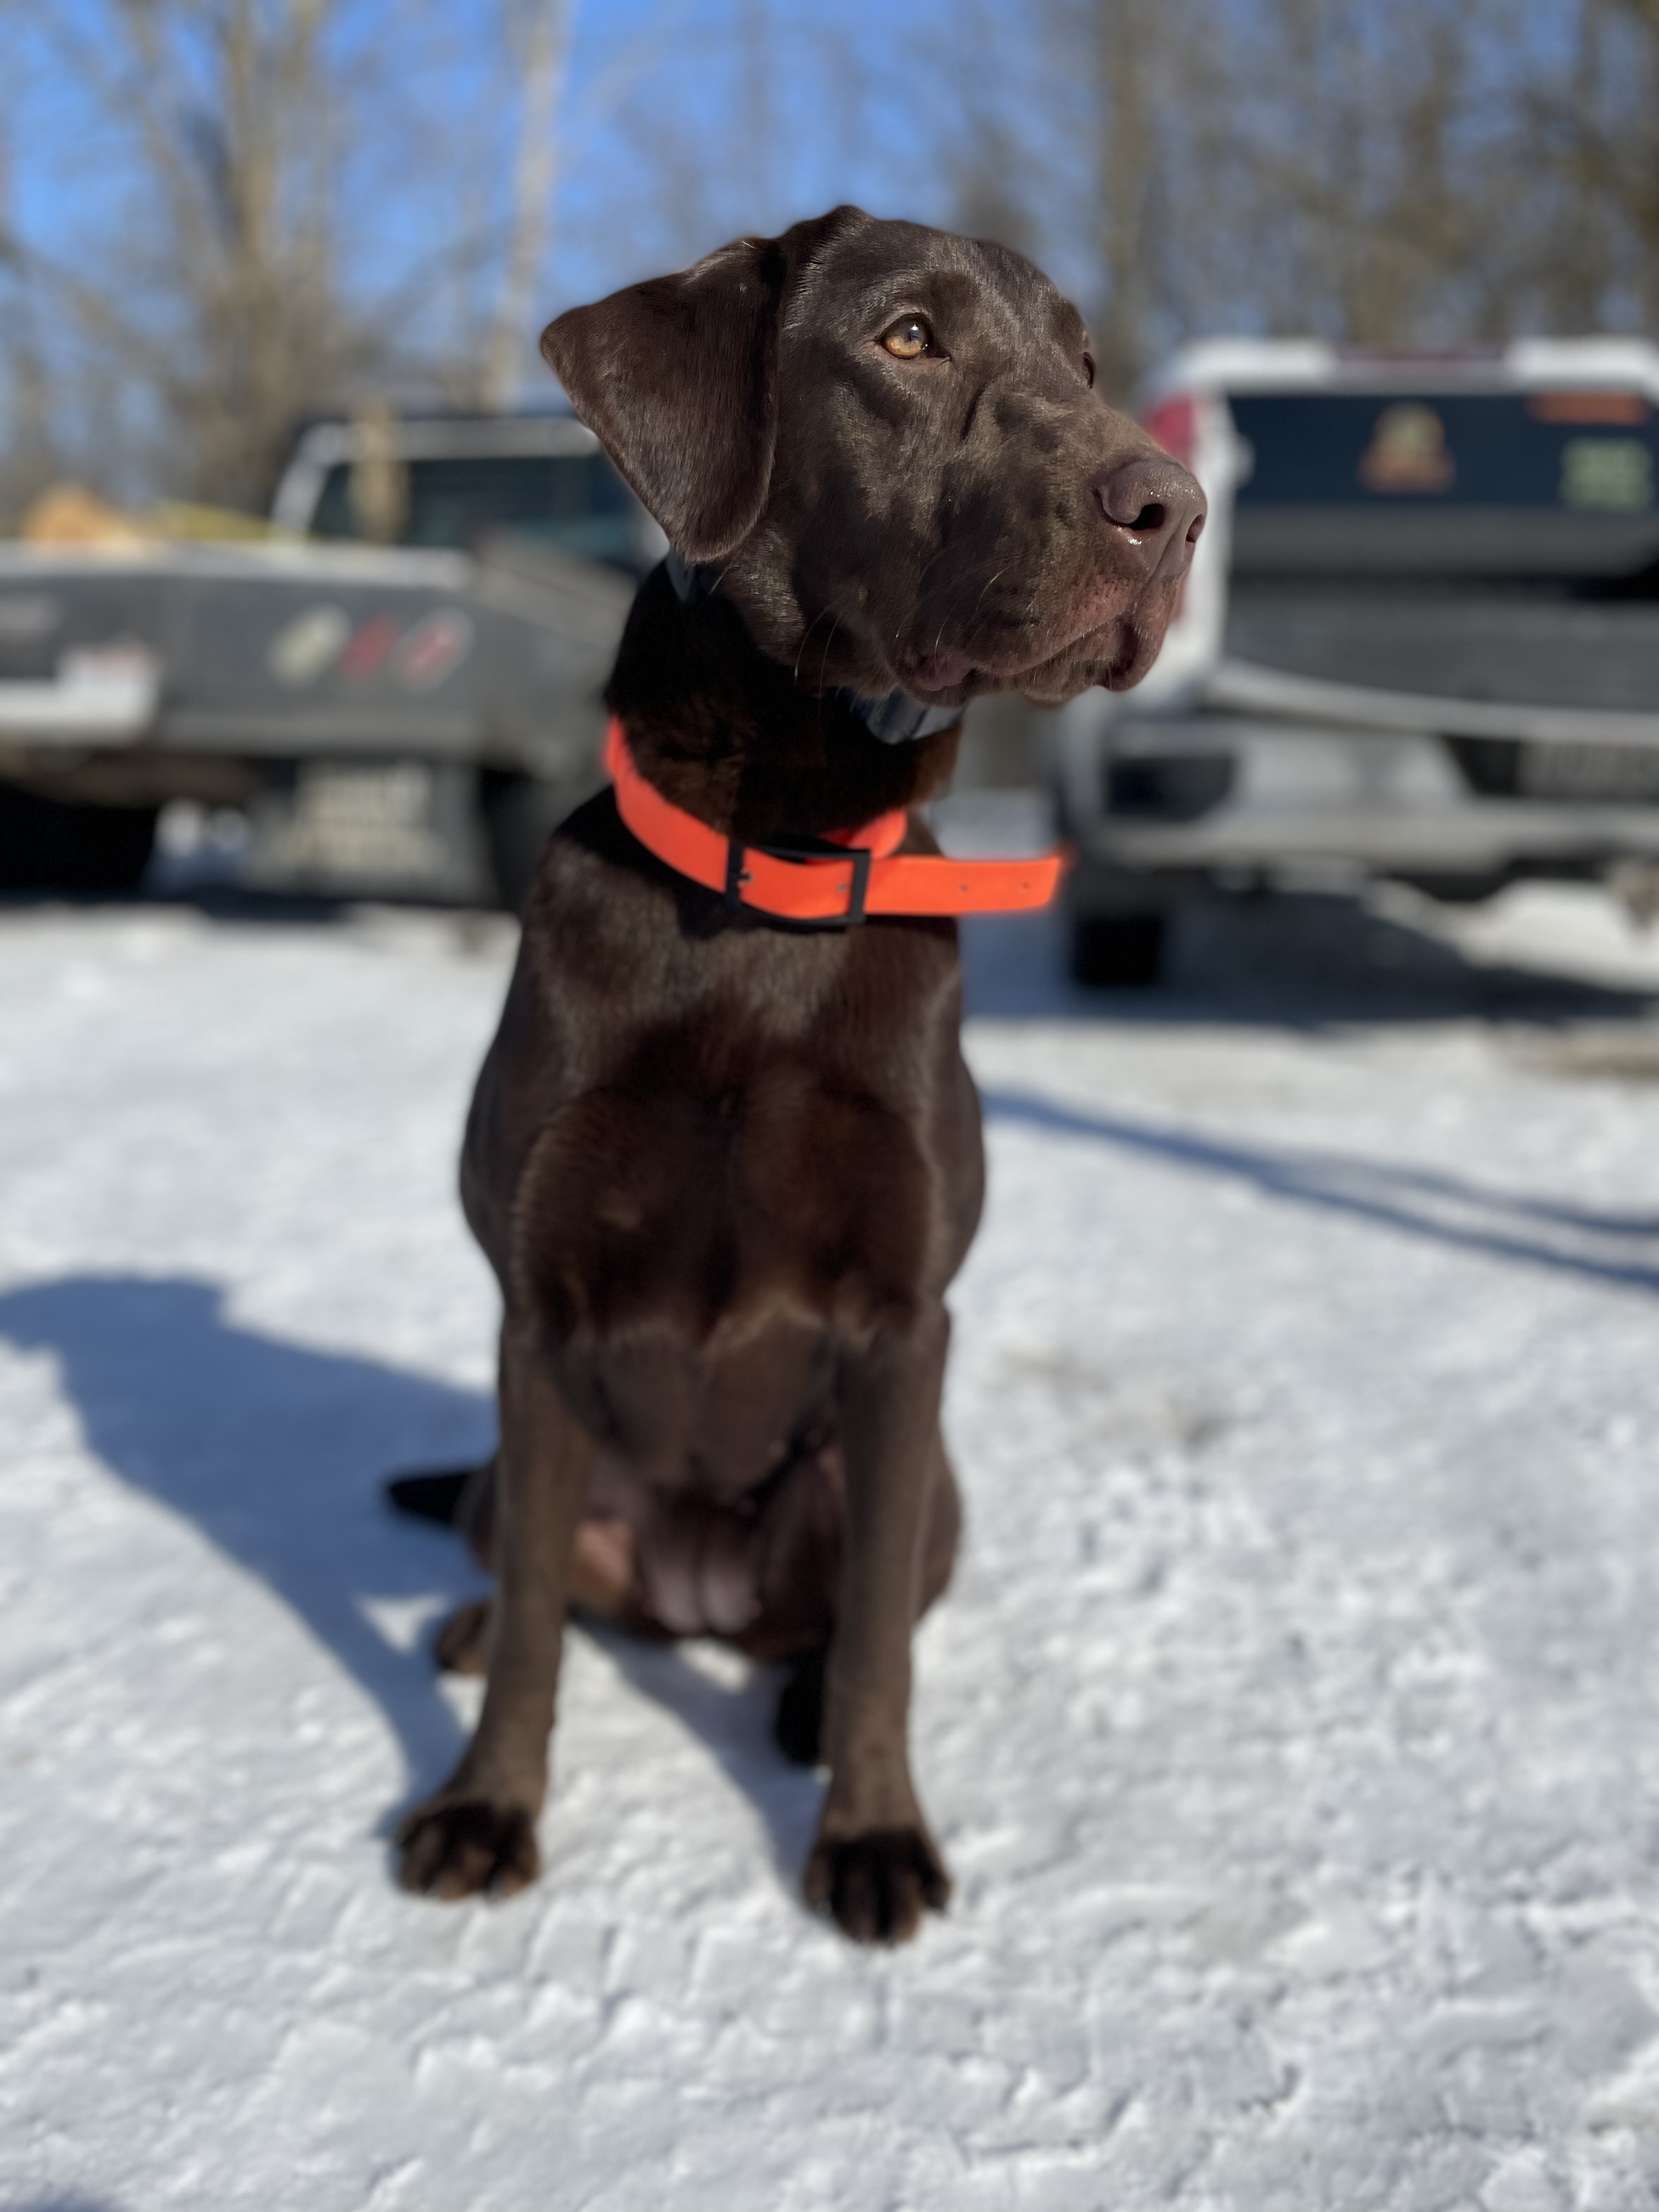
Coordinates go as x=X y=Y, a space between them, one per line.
x=1543 y=482
x=575 y=502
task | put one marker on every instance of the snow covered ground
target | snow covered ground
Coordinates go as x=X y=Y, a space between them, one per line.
x=1290 y=1728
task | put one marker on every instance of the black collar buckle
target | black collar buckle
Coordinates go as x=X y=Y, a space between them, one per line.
x=798 y=849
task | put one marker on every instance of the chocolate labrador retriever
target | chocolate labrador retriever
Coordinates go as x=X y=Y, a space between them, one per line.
x=725 y=1165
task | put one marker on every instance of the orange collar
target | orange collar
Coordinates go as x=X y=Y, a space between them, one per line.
x=809 y=879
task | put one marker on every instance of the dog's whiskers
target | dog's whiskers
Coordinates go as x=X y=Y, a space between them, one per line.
x=794 y=672
x=985 y=587
x=823 y=661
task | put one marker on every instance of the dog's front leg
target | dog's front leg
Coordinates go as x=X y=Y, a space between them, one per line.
x=874 y=1864
x=478 y=1832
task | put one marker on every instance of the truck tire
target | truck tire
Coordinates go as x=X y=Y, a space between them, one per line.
x=1117 y=949
x=60 y=845
x=520 y=814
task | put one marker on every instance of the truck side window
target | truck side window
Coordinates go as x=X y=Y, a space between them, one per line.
x=574 y=502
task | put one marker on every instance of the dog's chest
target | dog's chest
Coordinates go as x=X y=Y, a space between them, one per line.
x=704 y=1206
x=696 y=1250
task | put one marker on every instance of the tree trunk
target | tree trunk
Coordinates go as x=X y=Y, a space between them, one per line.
x=543 y=47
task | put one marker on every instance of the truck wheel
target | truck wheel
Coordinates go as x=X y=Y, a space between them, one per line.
x=1117 y=949
x=520 y=814
x=56 y=844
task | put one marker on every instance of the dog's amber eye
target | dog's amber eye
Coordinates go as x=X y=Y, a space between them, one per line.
x=909 y=338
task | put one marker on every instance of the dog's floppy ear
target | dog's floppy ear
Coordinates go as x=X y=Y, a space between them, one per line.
x=678 y=379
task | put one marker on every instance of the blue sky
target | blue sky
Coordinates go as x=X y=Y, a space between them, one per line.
x=683 y=122
x=853 y=100
x=686 y=122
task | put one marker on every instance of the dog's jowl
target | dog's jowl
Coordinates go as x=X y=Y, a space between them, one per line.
x=724 y=1155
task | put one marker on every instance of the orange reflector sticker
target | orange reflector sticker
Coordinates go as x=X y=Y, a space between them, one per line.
x=1588 y=406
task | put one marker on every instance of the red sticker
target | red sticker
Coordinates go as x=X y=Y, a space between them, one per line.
x=368 y=649
x=437 y=645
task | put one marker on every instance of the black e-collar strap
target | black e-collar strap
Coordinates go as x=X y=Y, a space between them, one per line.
x=896 y=718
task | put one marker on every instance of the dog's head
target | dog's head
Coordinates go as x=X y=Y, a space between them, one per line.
x=890 y=441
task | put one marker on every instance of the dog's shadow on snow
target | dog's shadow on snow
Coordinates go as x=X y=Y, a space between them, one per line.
x=75 y=2203
x=277 y=1452
x=273 y=1450
x=56 y=2205
x=732 y=1714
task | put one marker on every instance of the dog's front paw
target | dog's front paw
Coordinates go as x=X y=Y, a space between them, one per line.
x=877 y=1886
x=467 y=1849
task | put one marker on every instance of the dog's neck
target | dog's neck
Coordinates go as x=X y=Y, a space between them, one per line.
x=894 y=717
x=725 y=733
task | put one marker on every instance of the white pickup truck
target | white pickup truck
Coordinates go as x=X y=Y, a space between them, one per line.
x=400 y=685
x=1420 y=638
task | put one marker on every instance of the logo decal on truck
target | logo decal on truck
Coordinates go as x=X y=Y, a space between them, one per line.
x=369 y=649
x=1613 y=474
x=438 y=644
x=304 y=649
x=418 y=658
x=1407 y=452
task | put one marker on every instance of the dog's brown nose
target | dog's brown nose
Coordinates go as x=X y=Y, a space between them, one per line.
x=1155 y=509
